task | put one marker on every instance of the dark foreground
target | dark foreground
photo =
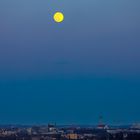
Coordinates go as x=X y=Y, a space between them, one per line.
x=51 y=132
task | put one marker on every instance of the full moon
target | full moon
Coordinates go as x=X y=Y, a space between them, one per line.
x=58 y=17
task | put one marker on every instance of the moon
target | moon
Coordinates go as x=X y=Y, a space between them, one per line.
x=58 y=17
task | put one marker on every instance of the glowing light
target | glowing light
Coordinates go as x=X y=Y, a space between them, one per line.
x=58 y=17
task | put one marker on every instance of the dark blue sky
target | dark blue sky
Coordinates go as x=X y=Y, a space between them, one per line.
x=70 y=72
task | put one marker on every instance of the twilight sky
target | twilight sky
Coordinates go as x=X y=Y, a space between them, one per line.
x=74 y=71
